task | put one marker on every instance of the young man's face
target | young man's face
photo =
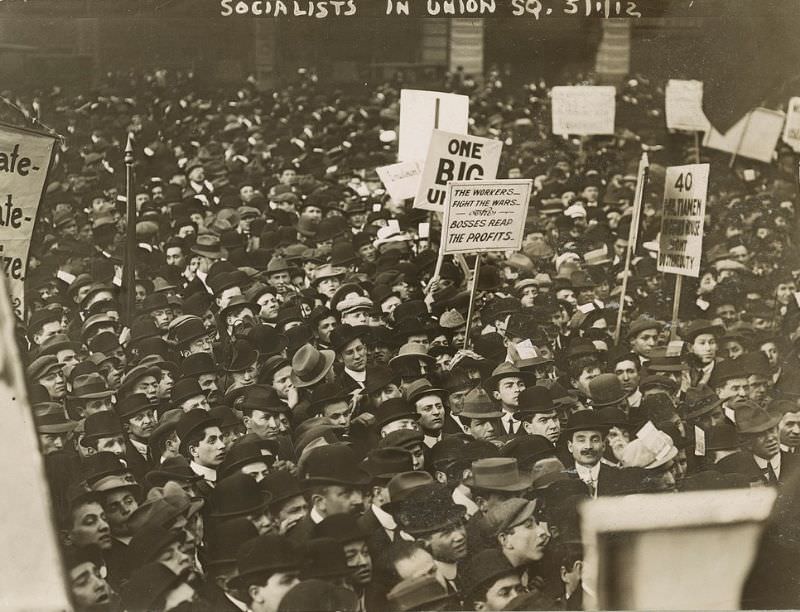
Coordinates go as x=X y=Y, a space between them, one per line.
x=149 y=386
x=508 y=390
x=354 y=355
x=268 y=596
x=764 y=445
x=528 y=539
x=247 y=376
x=210 y=450
x=586 y=447
x=55 y=384
x=544 y=424
x=644 y=342
x=292 y=510
x=431 y=411
x=90 y=527
x=339 y=413
x=264 y=424
x=733 y=389
x=89 y=588
x=341 y=500
x=628 y=375
x=52 y=442
x=325 y=327
x=482 y=429
x=585 y=377
x=360 y=561
x=141 y=425
x=112 y=444
x=419 y=564
x=119 y=505
x=282 y=381
x=502 y=591
x=269 y=306
x=450 y=545
x=789 y=429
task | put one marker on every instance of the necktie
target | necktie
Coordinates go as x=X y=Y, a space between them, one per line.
x=592 y=487
x=772 y=478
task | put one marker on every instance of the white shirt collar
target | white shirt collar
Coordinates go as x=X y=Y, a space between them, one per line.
x=775 y=462
x=360 y=377
x=241 y=605
x=447 y=570
x=430 y=441
x=586 y=474
x=460 y=497
x=209 y=474
x=315 y=516
x=139 y=446
x=635 y=398
x=384 y=518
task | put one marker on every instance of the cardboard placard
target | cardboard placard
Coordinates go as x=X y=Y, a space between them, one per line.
x=423 y=111
x=683 y=216
x=24 y=159
x=454 y=157
x=791 y=129
x=754 y=136
x=684 y=106
x=402 y=179
x=485 y=215
x=583 y=110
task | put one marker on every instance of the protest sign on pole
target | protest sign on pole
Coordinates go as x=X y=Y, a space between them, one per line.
x=583 y=110
x=754 y=136
x=684 y=106
x=682 y=219
x=791 y=129
x=421 y=112
x=401 y=179
x=454 y=157
x=485 y=215
x=24 y=160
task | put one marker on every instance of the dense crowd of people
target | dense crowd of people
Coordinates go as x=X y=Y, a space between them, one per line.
x=298 y=415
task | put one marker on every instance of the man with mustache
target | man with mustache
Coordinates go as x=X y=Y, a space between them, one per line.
x=139 y=419
x=760 y=457
x=585 y=435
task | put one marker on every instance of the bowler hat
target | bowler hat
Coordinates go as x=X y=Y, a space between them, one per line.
x=585 y=420
x=149 y=541
x=326 y=394
x=266 y=339
x=184 y=389
x=318 y=596
x=478 y=405
x=245 y=453
x=265 y=555
x=483 y=568
x=225 y=539
x=392 y=410
x=343 y=335
x=334 y=464
x=700 y=401
x=148 y=586
x=191 y=422
x=606 y=390
x=385 y=463
x=752 y=418
x=103 y=424
x=310 y=365
x=237 y=302
x=102 y=464
x=237 y=495
x=343 y=527
x=528 y=449
x=131 y=405
x=726 y=370
x=420 y=593
x=507 y=370
x=154 y=301
x=189 y=330
x=260 y=397
x=498 y=474
x=175 y=468
x=402 y=438
x=534 y=400
x=379 y=376
x=135 y=375
x=402 y=485
x=242 y=356
x=324 y=558
x=197 y=364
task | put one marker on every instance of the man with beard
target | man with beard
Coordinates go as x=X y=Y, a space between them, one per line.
x=538 y=413
x=335 y=483
x=345 y=529
x=138 y=418
x=760 y=457
x=585 y=433
x=202 y=444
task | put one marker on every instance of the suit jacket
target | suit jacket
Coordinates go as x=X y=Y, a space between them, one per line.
x=215 y=597
x=744 y=463
x=613 y=481
x=138 y=465
x=377 y=538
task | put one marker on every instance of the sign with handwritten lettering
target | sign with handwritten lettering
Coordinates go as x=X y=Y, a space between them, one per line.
x=24 y=159
x=421 y=112
x=754 y=136
x=791 y=129
x=455 y=157
x=402 y=179
x=683 y=216
x=485 y=216
x=583 y=110
x=684 y=106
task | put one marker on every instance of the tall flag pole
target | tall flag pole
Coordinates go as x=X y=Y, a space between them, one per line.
x=129 y=273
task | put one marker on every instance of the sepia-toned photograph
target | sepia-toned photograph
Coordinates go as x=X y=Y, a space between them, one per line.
x=399 y=305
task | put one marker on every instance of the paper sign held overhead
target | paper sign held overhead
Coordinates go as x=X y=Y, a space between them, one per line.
x=754 y=136
x=683 y=215
x=791 y=129
x=485 y=215
x=401 y=180
x=583 y=110
x=684 y=106
x=24 y=159
x=421 y=112
x=453 y=157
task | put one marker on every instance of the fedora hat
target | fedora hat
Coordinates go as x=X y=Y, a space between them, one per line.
x=641 y=324
x=585 y=420
x=614 y=417
x=394 y=409
x=41 y=367
x=327 y=271
x=422 y=387
x=245 y=453
x=154 y=301
x=90 y=386
x=402 y=438
x=403 y=484
x=700 y=326
x=752 y=418
x=699 y=401
x=534 y=400
x=528 y=449
x=184 y=389
x=498 y=474
x=478 y=405
x=260 y=397
x=59 y=342
x=386 y=463
x=310 y=365
x=483 y=568
x=606 y=390
x=319 y=596
x=189 y=330
x=277 y=264
x=281 y=485
x=267 y=339
x=242 y=356
x=266 y=554
x=133 y=404
x=343 y=335
x=165 y=506
x=428 y=509
x=324 y=558
x=207 y=245
x=149 y=585
x=343 y=528
x=238 y=302
x=379 y=376
x=50 y=419
x=510 y=513
x=103 y=424
x=412 y=351
x=148 y=543
x=326 y=394
x=190 y=422
x=237 y=495
x=420 y=593
x=507 y=370
x=726 y=370
x=141 y=329
x=136 y=374
x=334 y=464
x=175 y=468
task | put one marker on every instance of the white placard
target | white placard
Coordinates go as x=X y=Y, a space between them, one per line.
x=684 y=106
x=454 y=157
x=423 y=111
x=683 y=215
x=583 y=110
x=485 y=215
x=754 y=136
x=402 y=179
x=791 y=129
